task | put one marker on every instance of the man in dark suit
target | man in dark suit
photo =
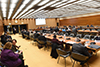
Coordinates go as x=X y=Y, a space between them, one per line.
x=74 y=30
x=41 y=37
x=56 y=29
x=80 y=48
x=97 y=37
x=36 y=35
x=14 y=30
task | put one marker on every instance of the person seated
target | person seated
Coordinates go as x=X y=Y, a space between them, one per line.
x=41 y=37
x=7 y=36
x=55 y=40
x=14 y=46
x=74 y=30
x=56 y=29
x=63 y=30
x=81 y=49
x=36 y=35
x=3 y=39
x=91 y=26
x=55 y=44
x=97 y=37
x=87 y=25
x=9 y=58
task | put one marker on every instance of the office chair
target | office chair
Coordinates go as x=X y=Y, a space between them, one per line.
x=92 y=37
x=79 y=58
x=79 y=35
x=92 y=29
x=43 y=43
x=66 y=34
x=86 y=37
x=61 y=33
x=62 y=53
x=72 y=35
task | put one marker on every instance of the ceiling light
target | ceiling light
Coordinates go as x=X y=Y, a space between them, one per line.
x=3 y=1
x=4 y=10
x=26 y=1
x=43 y=2
x=3 y=5
x=12 y=6
x=14 y=1
x=4 y=14
x=16 y=21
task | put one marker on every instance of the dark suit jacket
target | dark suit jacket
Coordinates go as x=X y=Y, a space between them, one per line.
x=74 y=30
x=79 y=48
x=8 y=37
x=97 y=38
x=56 y=29
x=42 y=38
x=36 y=35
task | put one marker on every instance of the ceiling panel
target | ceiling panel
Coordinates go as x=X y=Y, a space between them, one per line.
x=17 y=9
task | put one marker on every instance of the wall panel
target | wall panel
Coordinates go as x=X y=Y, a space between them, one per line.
x=1 y=27
x=91 y=20
x=31 y=23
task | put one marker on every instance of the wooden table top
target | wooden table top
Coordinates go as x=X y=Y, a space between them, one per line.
x=72 y=40
x=93 y=31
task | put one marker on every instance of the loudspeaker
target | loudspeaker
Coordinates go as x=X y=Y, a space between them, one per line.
x=57 y=24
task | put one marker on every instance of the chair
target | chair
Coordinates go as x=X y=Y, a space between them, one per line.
x=79 y=58
x=66 y=34
x=72 y=35
x=62 y=53
x=61 y=33
x=79 y=35
x=92 y=37
x=43 y=43
x=86 y=37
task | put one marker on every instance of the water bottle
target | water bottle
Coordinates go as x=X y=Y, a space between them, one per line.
x=64 y=36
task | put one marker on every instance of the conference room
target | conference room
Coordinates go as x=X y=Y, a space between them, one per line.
x=49 y=33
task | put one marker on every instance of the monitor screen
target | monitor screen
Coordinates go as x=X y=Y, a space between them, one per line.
x=40 y=22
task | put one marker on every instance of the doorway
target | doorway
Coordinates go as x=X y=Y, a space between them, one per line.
x=9 y=28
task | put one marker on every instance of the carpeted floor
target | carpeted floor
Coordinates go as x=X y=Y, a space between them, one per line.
x=35 y=57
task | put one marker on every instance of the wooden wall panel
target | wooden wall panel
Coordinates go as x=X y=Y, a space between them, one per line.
x=1 y=27
x=51 y=22
x=91 y=20
x=31 y=23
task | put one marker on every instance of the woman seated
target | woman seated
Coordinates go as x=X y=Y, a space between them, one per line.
x=9 y=58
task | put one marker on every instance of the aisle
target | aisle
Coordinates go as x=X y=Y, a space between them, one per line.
x=35 y=57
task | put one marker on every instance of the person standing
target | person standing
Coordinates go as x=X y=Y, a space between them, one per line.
x=14 y=30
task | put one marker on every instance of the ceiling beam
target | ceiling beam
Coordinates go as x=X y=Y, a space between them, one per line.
x=33 y=6
x=24 y=8
x=42 y=6
x=16 y=8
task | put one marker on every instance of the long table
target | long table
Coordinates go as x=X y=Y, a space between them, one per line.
x=88 y=31
x=72 y=41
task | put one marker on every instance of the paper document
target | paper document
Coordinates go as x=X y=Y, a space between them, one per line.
x=71 y=42
x=97 y=40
